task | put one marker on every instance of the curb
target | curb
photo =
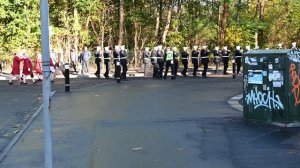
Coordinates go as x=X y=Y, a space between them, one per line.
x=234 y=102
x=21 y=132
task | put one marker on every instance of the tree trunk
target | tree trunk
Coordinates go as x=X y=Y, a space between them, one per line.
x=121 y=22
x=76 y=31
x=224 y=22
x=238 y=11
x=158 y=19
x=136 y=45
x=261 y=18
x=168 y=23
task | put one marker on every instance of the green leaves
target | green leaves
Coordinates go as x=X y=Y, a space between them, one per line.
x=88 y=22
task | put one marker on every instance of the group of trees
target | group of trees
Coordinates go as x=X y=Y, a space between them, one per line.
x=141 y=23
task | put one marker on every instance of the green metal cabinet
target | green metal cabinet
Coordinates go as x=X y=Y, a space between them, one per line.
x=271 y=87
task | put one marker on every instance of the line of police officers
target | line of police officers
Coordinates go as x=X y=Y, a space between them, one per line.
x=168 y=57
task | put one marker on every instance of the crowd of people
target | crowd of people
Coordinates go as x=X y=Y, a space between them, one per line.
x=159 y=59
x=22 y=67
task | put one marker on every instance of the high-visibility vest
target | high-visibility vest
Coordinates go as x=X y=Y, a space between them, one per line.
x=169 y=55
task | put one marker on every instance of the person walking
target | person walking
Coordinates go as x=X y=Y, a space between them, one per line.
x=225 y=59
x=169 y=59
x=238 y=59
x=117 y=74
x=175 y=55
x=184 y=61
x=154 y=62
x=160 y=61
x=106 y=62
x=217 y=57
x=15 y=69
x=294 y=46
x=204 y=60
x=98 y=60
x=1 y=66
x=85 y=58
x=123 y=57
x=38 y=67
x=73 y=57
x=147 y=62
x=27 y=68
x=195 y=60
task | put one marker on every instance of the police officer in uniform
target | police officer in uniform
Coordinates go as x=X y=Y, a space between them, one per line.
x=154 y=63
x=204 y=60
x=107 y=62
x=117 y=63
x=247 y=49
x=160 y=61
x=123 y=57
x=98 y=60
x=217 y=54
x=147 y=62
x=238 y=58
x=169 y=58
x=184 y=60
x=225 y=59
x=176 y=57
x=195 y=60
x=294 y=46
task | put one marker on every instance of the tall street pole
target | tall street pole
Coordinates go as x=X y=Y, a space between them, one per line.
x=46 y=82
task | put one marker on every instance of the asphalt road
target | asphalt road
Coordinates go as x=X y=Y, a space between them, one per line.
x=156 y=123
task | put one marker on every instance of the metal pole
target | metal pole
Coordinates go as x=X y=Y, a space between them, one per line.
x=46 y=82
x=67 y=78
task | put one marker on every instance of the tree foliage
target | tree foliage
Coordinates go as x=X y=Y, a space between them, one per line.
x=79 y=23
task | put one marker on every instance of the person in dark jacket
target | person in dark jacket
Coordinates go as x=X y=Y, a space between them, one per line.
x=123 y=57
x=160 y=61
x=176 y=57
x=98 y=60
x=184 y=60
x=238 y=59
x=217 y=57
x=106 y=62
x=204 y=60
x=154 y=63
x=117 y=64
x=225 y=59
x=195 y=60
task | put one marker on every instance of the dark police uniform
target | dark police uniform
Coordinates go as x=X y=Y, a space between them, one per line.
x=204 y=61
x=225 y=59
x=154 y=63
x=98 y=60
x=175 y=55
x=195 y=61
x=117 y=63
x=160 y=61
x=238 y=60
x=217 y=54
x=184 y=61
x=107 y=64
x=123 y=57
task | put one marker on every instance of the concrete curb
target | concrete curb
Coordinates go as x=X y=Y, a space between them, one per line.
x=21 y=132
x=234 y=102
